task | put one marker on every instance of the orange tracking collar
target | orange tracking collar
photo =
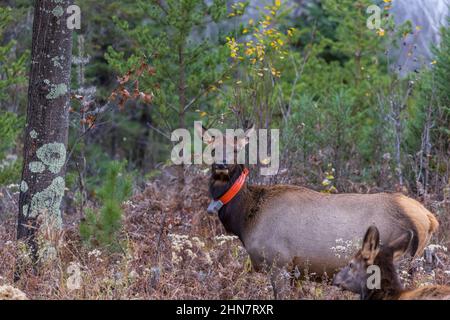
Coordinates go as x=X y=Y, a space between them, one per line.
x=235 y=188
x=215 y=205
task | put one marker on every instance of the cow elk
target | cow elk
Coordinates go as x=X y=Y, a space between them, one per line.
x=282 y=225
x=354 y=277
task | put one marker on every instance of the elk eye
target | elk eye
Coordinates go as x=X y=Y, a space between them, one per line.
x=351 y=265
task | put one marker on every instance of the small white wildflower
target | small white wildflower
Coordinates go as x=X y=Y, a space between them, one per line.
x=208 y=258
x=191 y=254
x=434 y=247
x=96 y=253
x=133 y=274
x=175 y=258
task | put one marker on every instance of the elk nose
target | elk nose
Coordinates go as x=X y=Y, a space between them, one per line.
x=336 y=281
x=221 y=166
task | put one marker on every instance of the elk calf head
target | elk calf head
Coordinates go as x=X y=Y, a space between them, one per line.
x=354 y=276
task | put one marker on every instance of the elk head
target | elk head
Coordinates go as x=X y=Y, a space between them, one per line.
x=227 y=166
x=354 y=276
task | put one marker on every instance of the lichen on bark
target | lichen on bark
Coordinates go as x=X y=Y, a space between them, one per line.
x=36 y=167
x=49 y=200
x=33 y=134
x=24 y=186
x=58 y=11
x=56 y=91
x=53 y=155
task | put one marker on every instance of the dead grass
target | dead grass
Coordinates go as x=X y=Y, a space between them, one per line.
x=170 y=249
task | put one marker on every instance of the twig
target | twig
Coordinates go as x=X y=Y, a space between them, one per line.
x=165 y=135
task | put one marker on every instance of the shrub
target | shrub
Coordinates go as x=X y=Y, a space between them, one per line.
x=102 y=228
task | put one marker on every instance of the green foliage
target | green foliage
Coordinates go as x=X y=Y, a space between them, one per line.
x=12 y=68
x=341 y=68
x=186 y=61
x=428 y=125
x=10 y=128
x=12 y=75
x=102 y=228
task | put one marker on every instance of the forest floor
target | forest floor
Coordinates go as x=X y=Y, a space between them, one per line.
x=170 y=248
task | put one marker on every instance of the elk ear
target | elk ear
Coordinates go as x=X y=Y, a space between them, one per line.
x=371 y=244
x=250 y=130
x=244 y=140
x=400 y=245
x=202 y=133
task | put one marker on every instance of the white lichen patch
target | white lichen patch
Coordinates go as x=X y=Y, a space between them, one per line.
x=25 y=210
x=33 y=134
x=53 y=155
x=24 y=186
x=58 y=11
x=47 y=252
x=57 y=90
x=36 y=167
x=57 y=61
x=49 y=200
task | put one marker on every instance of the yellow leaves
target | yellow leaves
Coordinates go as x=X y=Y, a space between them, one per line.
x=265 y=23
x=327 y=182
x=267 y=44
x=387 y=1
x=433 y=62
x=381 y=32
x=275 y=72
x=418 y=28
x=238 y=9
x=233 y=46
x=290 y=32
x=249 y=51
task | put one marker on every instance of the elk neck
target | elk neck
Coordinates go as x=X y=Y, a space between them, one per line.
x=234 y=215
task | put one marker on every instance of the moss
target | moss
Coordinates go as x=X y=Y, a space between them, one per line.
x=49 y=200
x=33 y=134
x=57 y=90
x=24 y=186
x=36 y=167
x=53 y=155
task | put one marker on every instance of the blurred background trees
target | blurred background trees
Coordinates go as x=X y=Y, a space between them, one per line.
x=350 y=118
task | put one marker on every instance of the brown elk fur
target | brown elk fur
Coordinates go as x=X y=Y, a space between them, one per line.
x=354 y=276
x=282 y=223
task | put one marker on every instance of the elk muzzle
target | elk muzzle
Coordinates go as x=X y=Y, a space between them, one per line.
x=214 y=207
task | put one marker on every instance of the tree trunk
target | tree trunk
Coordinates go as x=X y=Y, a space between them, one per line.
x=46 y=131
